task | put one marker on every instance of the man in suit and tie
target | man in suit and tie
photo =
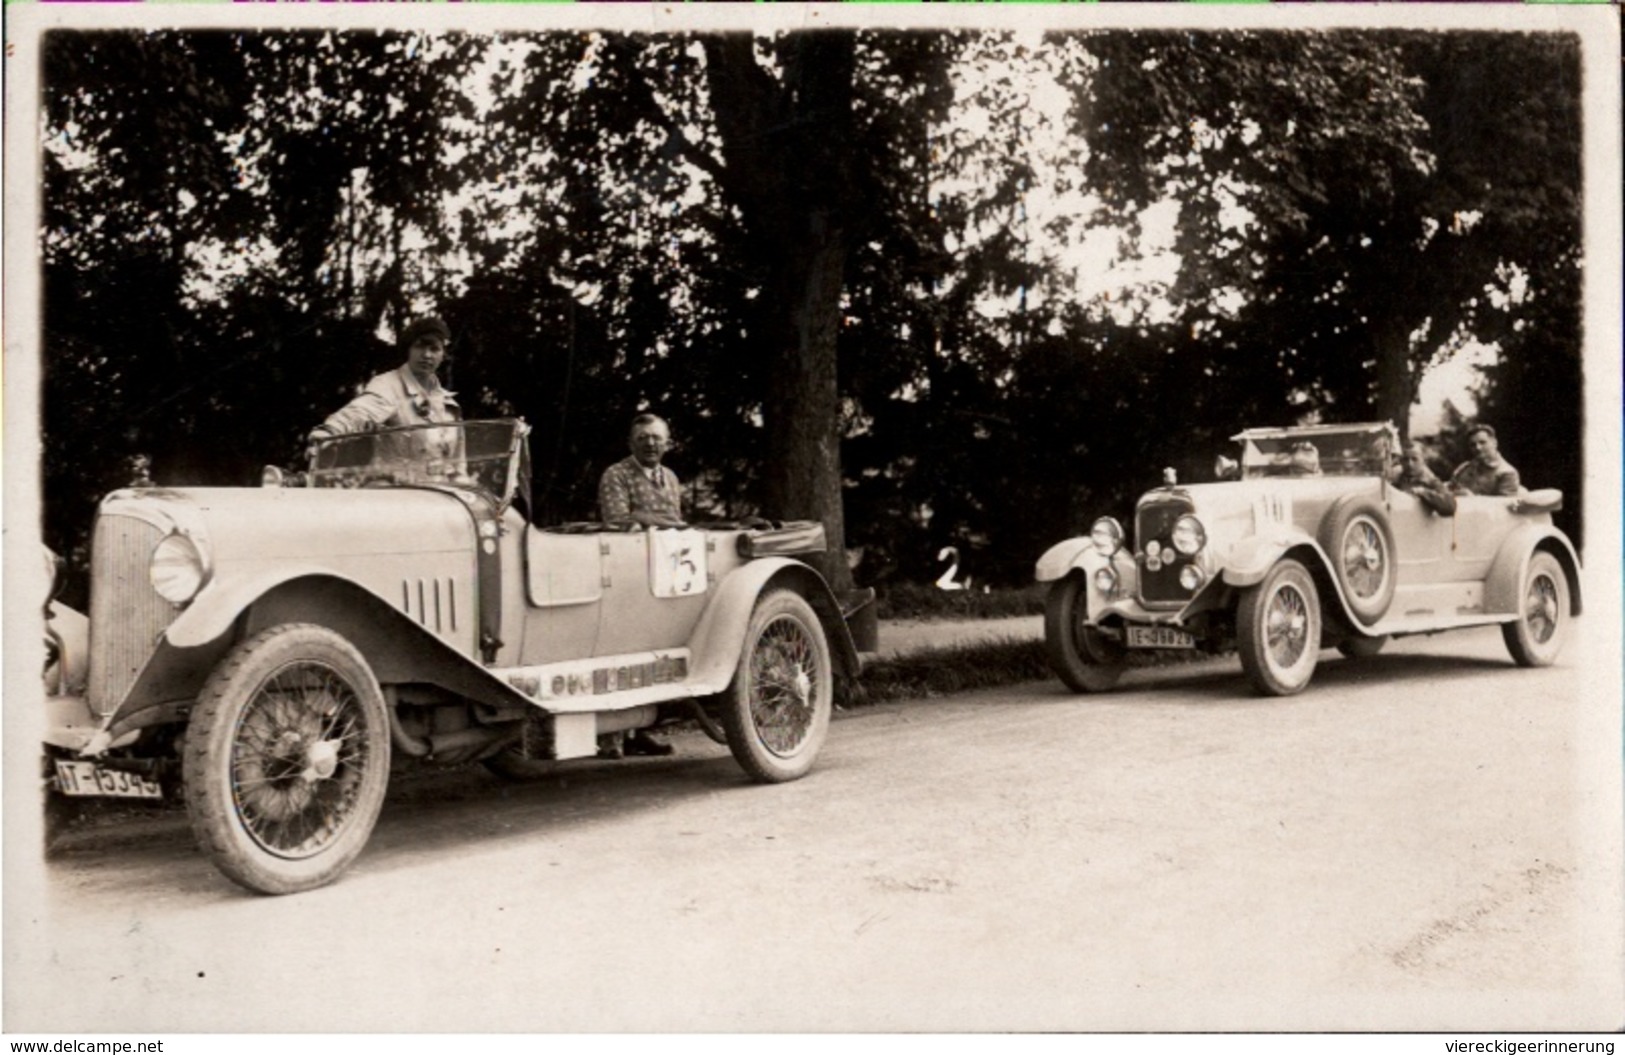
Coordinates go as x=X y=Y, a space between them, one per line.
x=639 y=490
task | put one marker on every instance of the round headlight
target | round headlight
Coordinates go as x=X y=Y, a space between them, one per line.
x=1190 y=577
x=1189 y=536
x=177 y=571
x=1105 y=580
x=1107 y=535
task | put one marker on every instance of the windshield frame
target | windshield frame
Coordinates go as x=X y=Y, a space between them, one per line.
x=1356 y=449
x=487 y=455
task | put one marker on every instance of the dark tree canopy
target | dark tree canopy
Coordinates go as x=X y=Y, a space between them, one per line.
x=823 y=256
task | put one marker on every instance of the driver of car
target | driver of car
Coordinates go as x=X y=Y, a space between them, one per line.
x=1304 y=459
x=1486 y=473
x=1416 y=478
x=411 y=394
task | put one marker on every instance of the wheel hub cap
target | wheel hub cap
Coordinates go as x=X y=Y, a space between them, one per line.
x=321 y=760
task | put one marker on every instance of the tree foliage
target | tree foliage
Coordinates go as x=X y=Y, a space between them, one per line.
x=824 y=256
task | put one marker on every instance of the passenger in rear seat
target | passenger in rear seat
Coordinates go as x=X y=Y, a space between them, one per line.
x=640 y=491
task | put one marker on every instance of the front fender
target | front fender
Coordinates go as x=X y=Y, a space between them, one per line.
x=214 y=610
x=714 y=647
x=396 y=647
x=1250 y=559
x=1503 y=586
x=1059 y=560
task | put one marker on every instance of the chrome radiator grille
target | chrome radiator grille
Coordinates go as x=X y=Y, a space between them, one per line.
x=126 y=614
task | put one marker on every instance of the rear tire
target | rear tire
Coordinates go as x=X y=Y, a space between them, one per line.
x=777 y=709
x=1543 y=612
x=1278 y=630
x=1080 y=655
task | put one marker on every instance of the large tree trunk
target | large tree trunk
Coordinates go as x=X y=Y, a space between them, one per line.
x=801 y=410
x=1396 y=378
x=787 y=155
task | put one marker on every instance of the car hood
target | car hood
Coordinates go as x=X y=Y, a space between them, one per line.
x=1230 y=494
x=288 y=523
x=1233 y=509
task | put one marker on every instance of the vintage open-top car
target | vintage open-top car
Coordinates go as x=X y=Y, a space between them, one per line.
x=1313 y=545
x=278 y=648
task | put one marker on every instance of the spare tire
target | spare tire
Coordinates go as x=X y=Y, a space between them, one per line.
x=1360 y=544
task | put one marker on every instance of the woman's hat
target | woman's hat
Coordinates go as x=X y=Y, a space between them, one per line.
x=429 y=325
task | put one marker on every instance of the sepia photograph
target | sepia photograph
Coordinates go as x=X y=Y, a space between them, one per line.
x=806 y=519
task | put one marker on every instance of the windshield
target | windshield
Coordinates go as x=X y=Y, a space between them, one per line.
x=1322 y=450
x=488 y=455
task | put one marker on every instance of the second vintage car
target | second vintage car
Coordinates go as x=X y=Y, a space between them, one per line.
x=271 y=653
x=1311 y=545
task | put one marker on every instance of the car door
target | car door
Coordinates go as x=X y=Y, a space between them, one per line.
x=564 y=595
x=1481 y=523
x=655 y=587
x=1422 y=539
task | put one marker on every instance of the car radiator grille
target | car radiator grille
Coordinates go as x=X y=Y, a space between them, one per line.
x=126 y=614
x=1154 y=522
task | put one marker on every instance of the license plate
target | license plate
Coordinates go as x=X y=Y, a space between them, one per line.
x=87 y=779
x=1159 y=637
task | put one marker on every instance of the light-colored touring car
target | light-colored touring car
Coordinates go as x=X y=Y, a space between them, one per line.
x=1311 y=546
x=271 y=652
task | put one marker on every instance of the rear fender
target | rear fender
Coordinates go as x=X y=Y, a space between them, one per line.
x=1503 y=586
x=714 y=647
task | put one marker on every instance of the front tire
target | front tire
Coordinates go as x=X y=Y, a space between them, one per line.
x=1083 y=658
x=1278 y=630
x=777 y=710
x=286 y=759
x=1537 y=636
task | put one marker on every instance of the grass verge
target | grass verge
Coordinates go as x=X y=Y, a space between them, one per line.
x=956 y=668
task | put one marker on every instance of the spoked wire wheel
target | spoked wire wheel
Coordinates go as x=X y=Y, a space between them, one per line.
x=1366 y=564
x=1278 y=630
x=777 y=710
x=297 y=760
x=286 y=759
x=1360 y=543
x=1537 y=636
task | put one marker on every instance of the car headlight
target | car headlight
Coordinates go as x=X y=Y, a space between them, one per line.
x=1190 y=577
x=1189 y=536
x=1106 y=580
x=1107 y=535
x=177 y=569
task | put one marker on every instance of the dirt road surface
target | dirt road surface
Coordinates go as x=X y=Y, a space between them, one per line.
x=1426 y=840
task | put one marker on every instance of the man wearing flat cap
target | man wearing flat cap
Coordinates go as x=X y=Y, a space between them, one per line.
x=411 y=394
